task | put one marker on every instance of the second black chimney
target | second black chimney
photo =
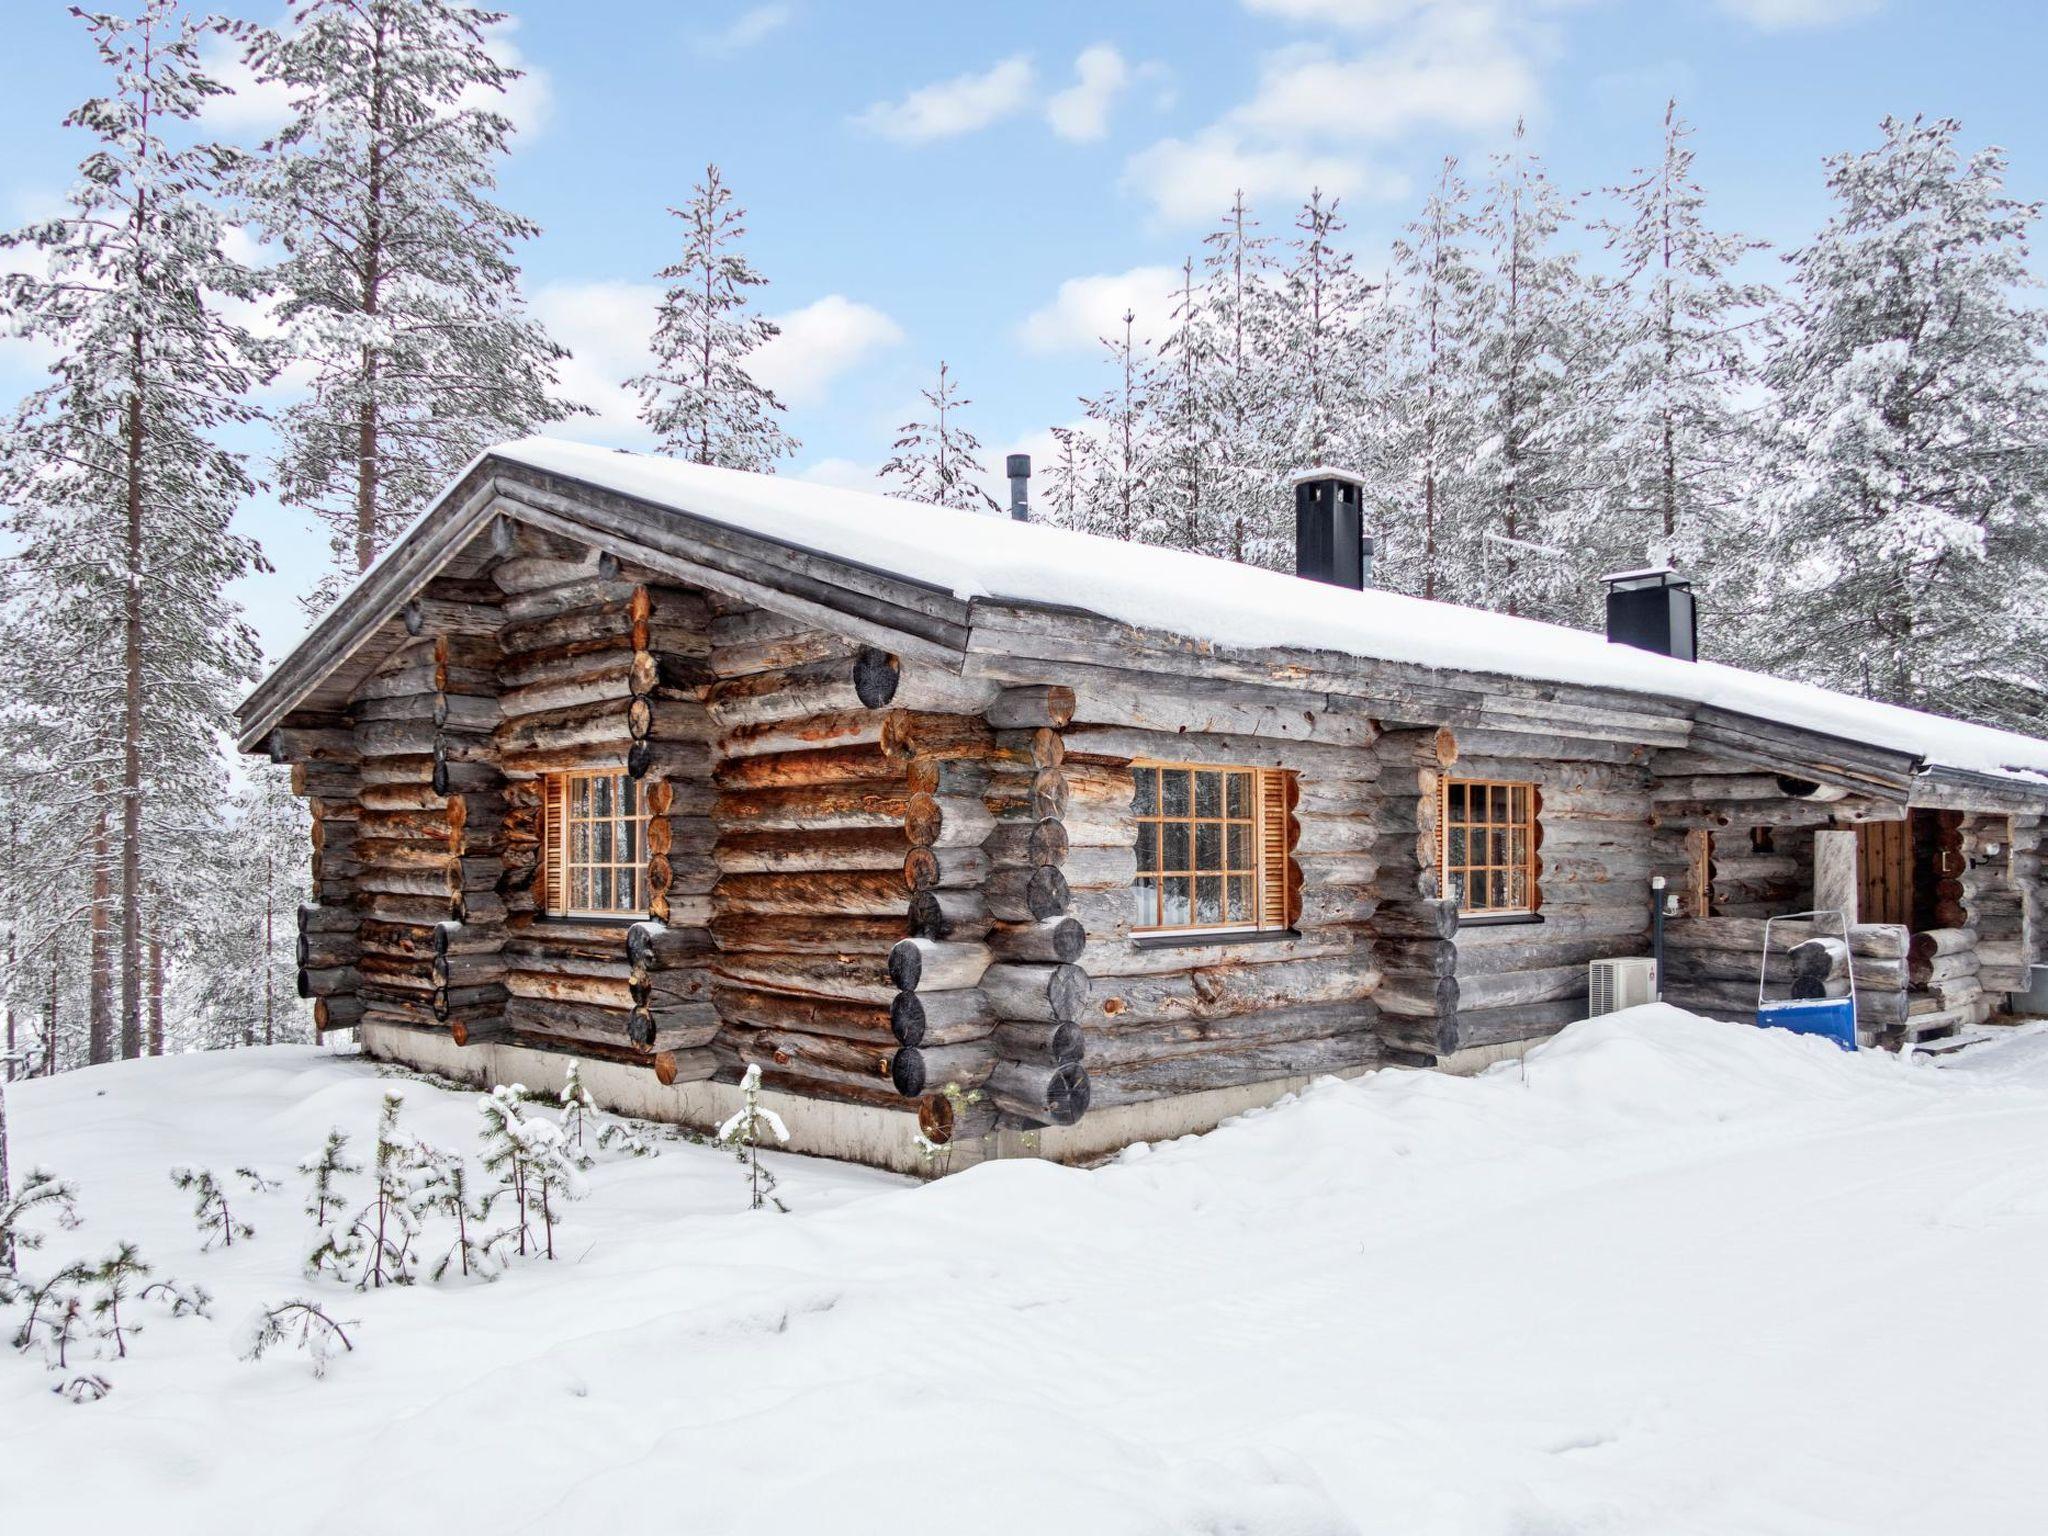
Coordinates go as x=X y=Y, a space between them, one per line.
x=1018 y=467
x=1329 y=528
x=1653 y=610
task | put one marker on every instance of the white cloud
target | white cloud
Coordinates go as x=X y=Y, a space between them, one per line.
x=1191 y=180
x=607 y=326
x=252 y=104
x=1459 y=70
x=823 y=340
x=1792 y=15
x=1081 y=111
x=1086 y=309
x=964 y=104
x=753 y=25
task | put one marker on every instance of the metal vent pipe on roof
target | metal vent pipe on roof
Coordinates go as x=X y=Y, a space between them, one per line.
x=1018 y=467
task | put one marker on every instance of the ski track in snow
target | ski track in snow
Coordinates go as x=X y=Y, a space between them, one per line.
x=1673 y=1277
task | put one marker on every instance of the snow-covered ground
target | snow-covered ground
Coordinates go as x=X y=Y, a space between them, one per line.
x=1673 y=1277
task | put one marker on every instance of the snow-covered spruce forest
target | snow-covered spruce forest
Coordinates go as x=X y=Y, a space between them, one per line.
x=1839 y=442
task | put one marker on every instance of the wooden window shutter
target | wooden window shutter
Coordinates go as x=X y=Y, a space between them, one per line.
x=554 y=890
x=1279 y=884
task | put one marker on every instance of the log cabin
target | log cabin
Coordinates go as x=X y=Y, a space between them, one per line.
x=1027 y=841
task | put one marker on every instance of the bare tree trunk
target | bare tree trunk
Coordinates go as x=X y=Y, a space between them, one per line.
x=13 y=897
x=269 y=941
x=50 y=1021
x=100 y=981
x=131 y=736
x=367 y=446
x=156 y=994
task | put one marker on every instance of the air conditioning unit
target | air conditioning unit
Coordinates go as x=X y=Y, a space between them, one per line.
x=1613 y=985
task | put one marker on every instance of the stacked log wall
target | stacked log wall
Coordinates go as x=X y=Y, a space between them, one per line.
x=604 y=668
x=848 y=785
x=430 y=819
x=1713 y=966
x=1168 y=1015
x=329 y=925
x=1595 y=856
x=1050 y=825
x=1413 y=922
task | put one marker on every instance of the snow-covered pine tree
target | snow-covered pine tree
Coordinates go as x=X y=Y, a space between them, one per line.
x=236 y=930
x=441 y=1188
x=41 y=1191
x=938 y=460
x=1325 y=360
x=323 y=1170
x=299 y=1323
x=1066 y=478
x=1539 y=363
x=1117 y=497
x=577 y=1107
x=116 y=1277
x=214 y=1217
x=1425 y=534
x=397 y=288
x=1185 y=392
x=699 y=398
x=1681 y=455
x=1908 y=491
x=1240 y=284
x=742 y=1135
x=121 y=494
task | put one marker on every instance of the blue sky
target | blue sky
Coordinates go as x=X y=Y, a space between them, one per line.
x=990 y=183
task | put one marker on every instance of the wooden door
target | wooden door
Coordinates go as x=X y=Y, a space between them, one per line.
x=1884 y=872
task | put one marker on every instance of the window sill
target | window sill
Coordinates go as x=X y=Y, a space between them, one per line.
x=1500 y=919
x=1202 y=939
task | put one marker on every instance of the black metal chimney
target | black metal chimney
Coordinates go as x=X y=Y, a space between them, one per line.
x=1018 y=467
x=1653 y=610
x=1329 y=528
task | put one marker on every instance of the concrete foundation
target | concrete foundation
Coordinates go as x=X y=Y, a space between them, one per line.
x=860 y=1133
x=854 y=1133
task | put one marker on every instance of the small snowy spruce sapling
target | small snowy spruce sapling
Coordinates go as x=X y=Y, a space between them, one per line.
x=741 y=1135
x=322 y=1200
x=627 y=1139
x=296 y=1324
x=577 y=1107
x=529 y=1158
x=56 y=1313
x=40 y=1190
x=210 y=1203
x=389 y=1222
x=442 y=1189
x=115 y=1277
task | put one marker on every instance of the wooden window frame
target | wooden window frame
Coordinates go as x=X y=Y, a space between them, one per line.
x=1526 y=866
x=559 y=869
x=1274 y=891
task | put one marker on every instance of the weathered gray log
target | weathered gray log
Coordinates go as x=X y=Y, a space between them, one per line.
x=1044 y=1044
x=953 y=915
x=916 y=1070
x=1058 y=1095
x=926 y=869
x=1056 y=940
x=940 y=1018
x=1040 y=705
x=921 y=965
x=1046 y=993
x=1021 y=895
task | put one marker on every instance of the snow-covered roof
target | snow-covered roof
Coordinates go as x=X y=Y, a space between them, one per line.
x=1243 y=606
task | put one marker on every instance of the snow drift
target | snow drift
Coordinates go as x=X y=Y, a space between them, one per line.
x=1667 y=1276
